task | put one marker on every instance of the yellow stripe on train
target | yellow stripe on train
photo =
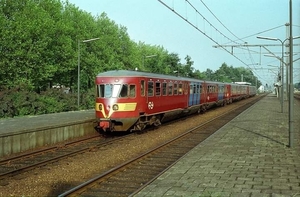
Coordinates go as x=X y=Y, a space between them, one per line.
x=126 y=106
x=99 y=107
x=121 y=107
x=116 y=107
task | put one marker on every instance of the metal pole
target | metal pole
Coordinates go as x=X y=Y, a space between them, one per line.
x=282 y=75
x=287 y=61
x=148 y=56
x=78 y=80
x=281 y=66
x=291 y=95
x=256 y=83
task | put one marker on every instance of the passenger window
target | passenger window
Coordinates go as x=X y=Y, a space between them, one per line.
x=132 y=91
x=175 y=89
x=186 y=88
x=170 y=88
x=150 y=88
x=180 y=90
x=164 y=88
x=157 y=88
x=191 y=89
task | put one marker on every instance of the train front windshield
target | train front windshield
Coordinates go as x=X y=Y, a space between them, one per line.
x=115 y=90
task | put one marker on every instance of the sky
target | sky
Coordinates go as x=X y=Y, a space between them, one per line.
x=194 y=27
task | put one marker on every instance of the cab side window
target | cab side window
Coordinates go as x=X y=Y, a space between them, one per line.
x=132 y=90
x=124 y=91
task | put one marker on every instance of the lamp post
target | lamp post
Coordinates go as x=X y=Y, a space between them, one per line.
x=148 y=56
x=291 y=94
x=281 y=64
x=291 y=85
x=78 y=69
x=281 y=61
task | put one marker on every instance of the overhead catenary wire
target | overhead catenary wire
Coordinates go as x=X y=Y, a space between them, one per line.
x=205 y=34
x=255 y=34
x=221 y=22
x=238 y=39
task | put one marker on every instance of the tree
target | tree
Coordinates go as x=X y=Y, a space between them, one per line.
x=187 y=69
x=209 y=74
x=25 y=42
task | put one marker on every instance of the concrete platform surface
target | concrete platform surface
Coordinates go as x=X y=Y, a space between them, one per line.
x=30 y=123
x=249 y=156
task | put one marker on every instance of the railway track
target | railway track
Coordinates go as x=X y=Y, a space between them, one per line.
x=129 y=177
x=19 y=164
x=13 y=166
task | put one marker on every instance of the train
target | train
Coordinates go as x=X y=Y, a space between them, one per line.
x=128 y=100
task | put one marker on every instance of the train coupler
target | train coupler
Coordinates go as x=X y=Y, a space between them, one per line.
x=103 y=125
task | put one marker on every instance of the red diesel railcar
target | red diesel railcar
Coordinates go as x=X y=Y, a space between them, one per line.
x=131 y=100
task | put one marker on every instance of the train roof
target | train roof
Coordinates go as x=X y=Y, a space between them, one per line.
x=131 y=73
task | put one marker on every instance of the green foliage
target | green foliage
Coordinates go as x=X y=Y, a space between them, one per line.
x=88 y=99
x=43 y=42
x=230 y=74
x=20 y=102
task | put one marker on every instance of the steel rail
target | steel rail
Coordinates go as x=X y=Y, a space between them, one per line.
x=81 y=188
x=35 y=154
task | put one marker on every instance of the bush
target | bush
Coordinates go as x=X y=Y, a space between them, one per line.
x=14 y=102
x=88 y=99
x=21 y=102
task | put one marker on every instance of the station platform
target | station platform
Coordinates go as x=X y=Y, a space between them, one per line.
x=250 y=156
x=26 y=133
x=39 y=122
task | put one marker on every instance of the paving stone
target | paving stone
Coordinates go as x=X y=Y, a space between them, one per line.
x=247 y=157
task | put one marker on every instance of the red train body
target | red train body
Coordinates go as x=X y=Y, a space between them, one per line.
x=132 y=100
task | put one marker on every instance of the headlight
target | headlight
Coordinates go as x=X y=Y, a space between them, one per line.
x=115 y=107
x=100 y=107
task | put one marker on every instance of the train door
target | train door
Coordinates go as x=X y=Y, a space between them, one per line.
x=220 y=92
x=228 y=91
x=150 y=94
x=194 y=97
